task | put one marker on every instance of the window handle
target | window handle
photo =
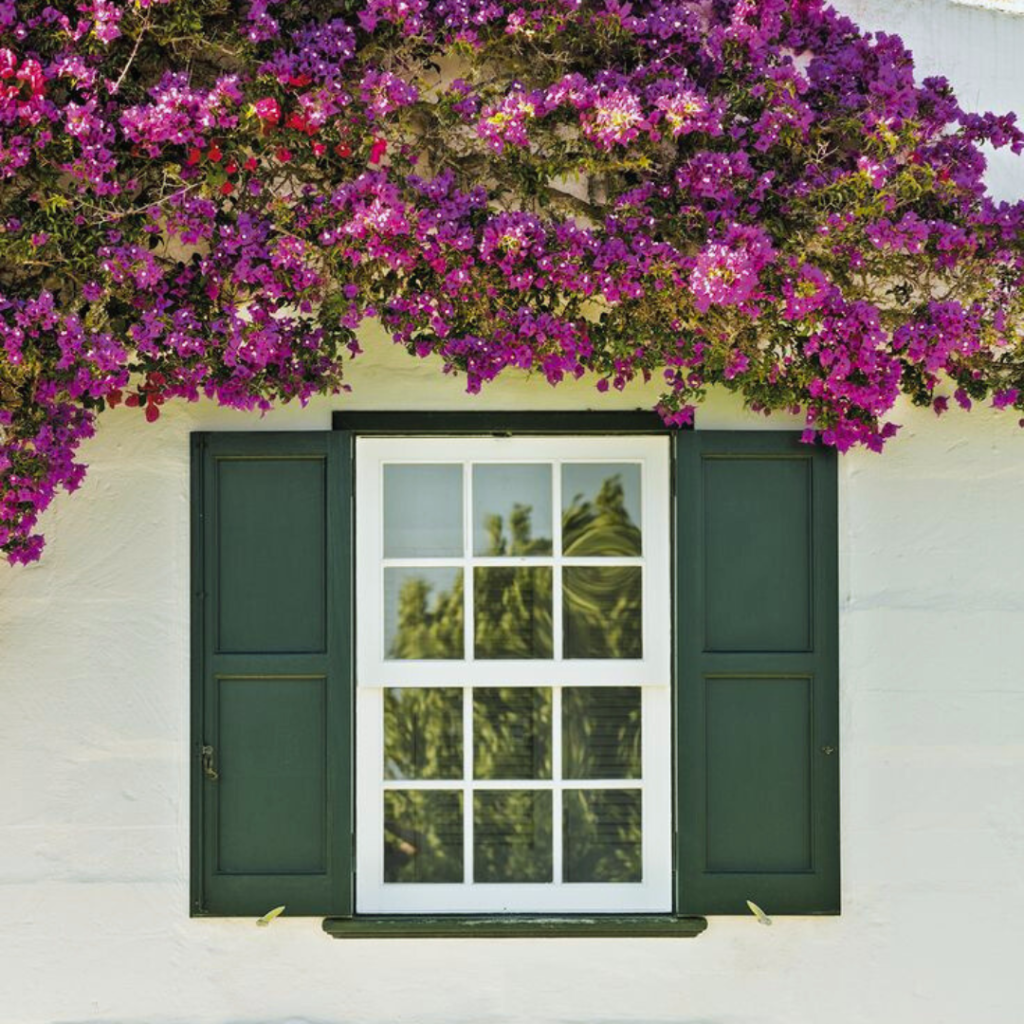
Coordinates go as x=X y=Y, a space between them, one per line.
x=209 y=766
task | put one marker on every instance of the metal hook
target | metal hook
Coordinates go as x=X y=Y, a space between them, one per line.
x=209 y=768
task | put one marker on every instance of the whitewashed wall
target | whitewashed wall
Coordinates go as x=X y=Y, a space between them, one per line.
x=94 y=728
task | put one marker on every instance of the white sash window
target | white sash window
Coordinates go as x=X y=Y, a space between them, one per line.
x=513 y=748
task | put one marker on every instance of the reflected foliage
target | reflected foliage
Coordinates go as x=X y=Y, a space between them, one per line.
x=428 y=629
x=512 y=606
x=602 y=836
x=423 y=733
x=512 y=836
x=527 y=528
x=600 y=525
x=602 y=605
x=601 y=732
x=512 y=612
x=512 y=733
x=602 y=615
x=422 y=836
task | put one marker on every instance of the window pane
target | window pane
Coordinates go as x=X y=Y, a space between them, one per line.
x=512 y=733
x=602 y=615
x=601 y=837
x=512 y=612
x=423 y=613
x=600 y=508
x=422 y=511
x=512 y=836
x=601 y=732
x=423 y=733
x=511 y=510
x=422 y=836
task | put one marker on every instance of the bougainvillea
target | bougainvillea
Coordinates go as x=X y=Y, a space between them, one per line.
x=204 y=198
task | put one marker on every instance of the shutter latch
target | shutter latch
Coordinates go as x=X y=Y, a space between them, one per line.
x=209 y=767
x=826 y=750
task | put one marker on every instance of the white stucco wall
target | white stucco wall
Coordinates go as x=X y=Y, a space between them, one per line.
x=94 y=729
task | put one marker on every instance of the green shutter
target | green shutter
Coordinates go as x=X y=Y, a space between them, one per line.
x=272 y=673
x=757 y=674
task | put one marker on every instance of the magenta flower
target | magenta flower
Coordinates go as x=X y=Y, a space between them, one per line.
x=268 y=110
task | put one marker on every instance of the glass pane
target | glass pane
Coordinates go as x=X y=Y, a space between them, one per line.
x=511 y=510
x=601 y=732
x=602 y=614
x=422 y=511
x=512 y=612
x=512 y=836
x=422 y=836
x=512 y=733
x=423 y=733
x=423 y=613
x=600 y=508
x=601 y=837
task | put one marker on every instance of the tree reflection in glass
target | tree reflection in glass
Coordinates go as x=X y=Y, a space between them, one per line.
x=600 y=509
x=511 y=510
x=512 y=612
x=512 y=605
x=512 y=733
x=422 y=836
x=423 y=733
x=512 y=836
x=602 y=614
x=423 y=617
x=601 y=732
x=602 y=839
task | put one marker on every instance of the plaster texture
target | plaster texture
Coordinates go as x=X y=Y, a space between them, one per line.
x=94 y=925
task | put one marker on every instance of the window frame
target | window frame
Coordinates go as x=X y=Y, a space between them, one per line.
x=651 y=673
x=700 y=887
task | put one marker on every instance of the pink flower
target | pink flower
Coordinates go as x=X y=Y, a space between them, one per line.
x=268 y=110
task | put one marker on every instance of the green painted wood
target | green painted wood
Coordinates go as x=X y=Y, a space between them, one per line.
x=756 y=563
x=418 y=424
x=271 y=542
x=606 y=926
x=272 y=760
x=757 y=675
x=758 y=761
x=272 y=673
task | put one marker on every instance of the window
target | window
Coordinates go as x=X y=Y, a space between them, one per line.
x=513 y=665
x=513 y=741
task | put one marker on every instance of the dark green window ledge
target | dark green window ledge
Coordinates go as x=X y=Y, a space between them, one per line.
x=605 y=926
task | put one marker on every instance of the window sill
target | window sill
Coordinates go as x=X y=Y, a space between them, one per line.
x=526 y=926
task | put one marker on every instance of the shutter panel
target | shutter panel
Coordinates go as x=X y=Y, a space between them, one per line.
x=272 y=675
x=757 y=674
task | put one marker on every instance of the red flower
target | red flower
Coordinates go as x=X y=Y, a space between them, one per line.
x=268 y=110
x=300 y=80
x=251 y=164
x=377 y=150
x=214 y=153
x=231 y=168
x=284 y=155
x=342 y=150
x=194 y=156
x=227 y=188
x=152 y=414
x=319 y=149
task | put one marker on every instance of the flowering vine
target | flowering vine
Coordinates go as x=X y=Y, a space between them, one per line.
x=206 y=199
